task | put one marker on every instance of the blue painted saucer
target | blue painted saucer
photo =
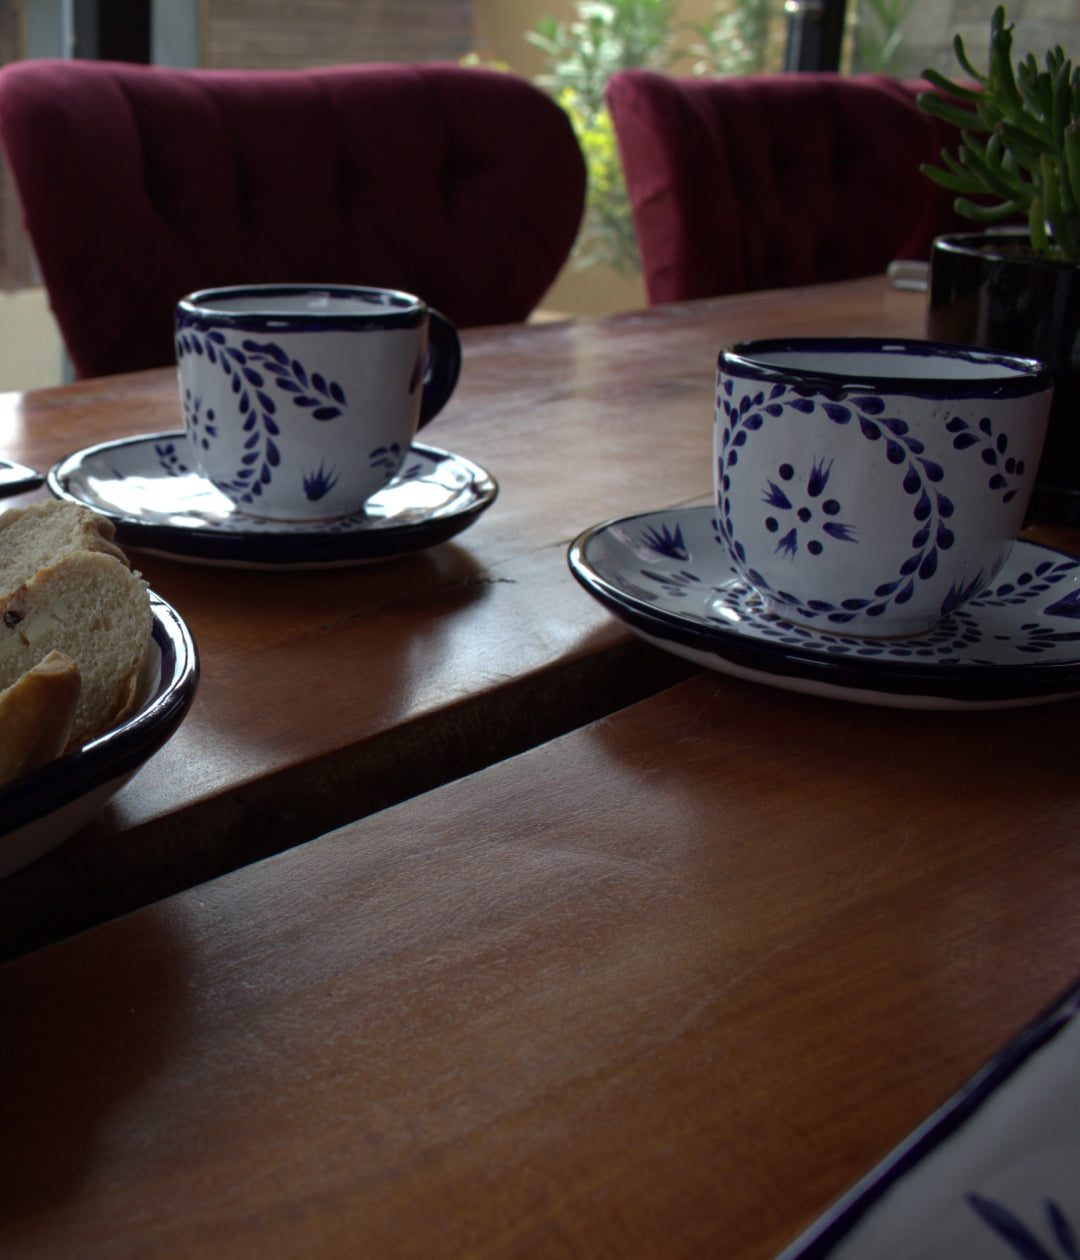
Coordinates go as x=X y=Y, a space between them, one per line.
x=667 y=576
x=993 y=1173
x=149 y=487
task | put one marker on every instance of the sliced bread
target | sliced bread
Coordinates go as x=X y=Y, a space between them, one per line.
x=37 y=535
x=36 y=715
x=92 y=607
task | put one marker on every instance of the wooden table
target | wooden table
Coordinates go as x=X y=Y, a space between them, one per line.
x=326 y=696
x=662 y=987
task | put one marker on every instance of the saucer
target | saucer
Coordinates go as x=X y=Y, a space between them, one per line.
x=149 y=488
x=668 y=577
x=15 y=478
x=993 y=1172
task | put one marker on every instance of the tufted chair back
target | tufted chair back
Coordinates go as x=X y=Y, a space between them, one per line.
x=140 y=184
x=775 y=180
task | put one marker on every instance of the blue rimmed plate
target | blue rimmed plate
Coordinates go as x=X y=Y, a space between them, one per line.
x=15 y=478
x=667 y=576
x=149 y=488
x=992 y=1174
x=42 y=809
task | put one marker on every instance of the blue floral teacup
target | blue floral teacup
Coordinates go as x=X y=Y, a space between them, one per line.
x=872 y=486
x=301 y=401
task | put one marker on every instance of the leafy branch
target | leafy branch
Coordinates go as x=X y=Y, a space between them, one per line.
x=611 y=35
x=1020 y=141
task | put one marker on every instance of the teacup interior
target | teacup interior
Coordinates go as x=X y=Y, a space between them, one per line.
x=896 y=363
x=307 y=302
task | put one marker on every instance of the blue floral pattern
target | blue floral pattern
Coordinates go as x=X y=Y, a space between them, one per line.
x=151 y=488
x=254 y=370
x=799 y=510
x=671 y=576
x=1012 y=1230
x=170 y=459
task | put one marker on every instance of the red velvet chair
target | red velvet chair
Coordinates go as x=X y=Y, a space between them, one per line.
x=140 y=184
x=774 y=180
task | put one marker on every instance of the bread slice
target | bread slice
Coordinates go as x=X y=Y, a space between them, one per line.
x=36 y=715
x=37 y=535
x=93 y=608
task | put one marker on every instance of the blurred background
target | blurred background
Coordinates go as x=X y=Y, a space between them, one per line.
x=569 y=47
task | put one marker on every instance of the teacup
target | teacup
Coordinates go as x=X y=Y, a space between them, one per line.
x=301 y=401
x=873 y=486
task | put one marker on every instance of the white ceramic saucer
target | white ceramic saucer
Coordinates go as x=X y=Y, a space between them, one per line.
x=992 y=1174
x=667 y=576
x=15 y=478
x=148 y=486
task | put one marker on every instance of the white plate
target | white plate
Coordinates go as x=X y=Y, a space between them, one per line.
x=149 y=488
x=995 y=1173
x=667 y=576
x=15 y=478
x=42 y=809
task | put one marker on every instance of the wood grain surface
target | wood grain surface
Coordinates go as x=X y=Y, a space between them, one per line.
x=660 y=988
x=325 y=696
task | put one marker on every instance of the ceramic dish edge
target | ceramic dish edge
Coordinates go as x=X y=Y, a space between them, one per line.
x=909 y=685
x=834 y=691
x=43 y=808
x=17 y=478
x=833 y=1226
x=280 y=549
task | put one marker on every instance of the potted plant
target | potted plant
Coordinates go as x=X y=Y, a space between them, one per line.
x=1016 y=288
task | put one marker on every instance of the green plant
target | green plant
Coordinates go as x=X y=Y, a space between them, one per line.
x=879 y=34
x=1020 y=142
x=608 y=35
x=738 y=39
x=611 y=35
x=607 y=237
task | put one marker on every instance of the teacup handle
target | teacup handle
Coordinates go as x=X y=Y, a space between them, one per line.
x=442 y=368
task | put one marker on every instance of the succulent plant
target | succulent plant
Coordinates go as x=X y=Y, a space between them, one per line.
x=1020 y=141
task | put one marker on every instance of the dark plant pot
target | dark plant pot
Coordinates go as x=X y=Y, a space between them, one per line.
x=988 y=290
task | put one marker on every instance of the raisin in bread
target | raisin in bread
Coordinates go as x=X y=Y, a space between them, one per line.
x=36 y=715
x=35 y=536
x=92 y=607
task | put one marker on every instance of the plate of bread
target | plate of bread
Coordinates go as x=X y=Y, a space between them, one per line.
x=96 y=673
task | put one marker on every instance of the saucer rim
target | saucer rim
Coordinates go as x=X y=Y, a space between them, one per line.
x=117 y=754
x=839 y=1222
x=874 y=680
x=20 y=478
x=275 y=548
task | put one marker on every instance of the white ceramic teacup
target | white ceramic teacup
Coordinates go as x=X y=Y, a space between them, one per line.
x=301 y=401
x=873 y=486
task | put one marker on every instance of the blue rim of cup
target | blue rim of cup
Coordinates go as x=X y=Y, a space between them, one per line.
x=401 y=310
x=742 y=360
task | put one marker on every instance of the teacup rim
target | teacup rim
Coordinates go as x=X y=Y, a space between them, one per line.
x=1027 y=375
x=404 y=310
